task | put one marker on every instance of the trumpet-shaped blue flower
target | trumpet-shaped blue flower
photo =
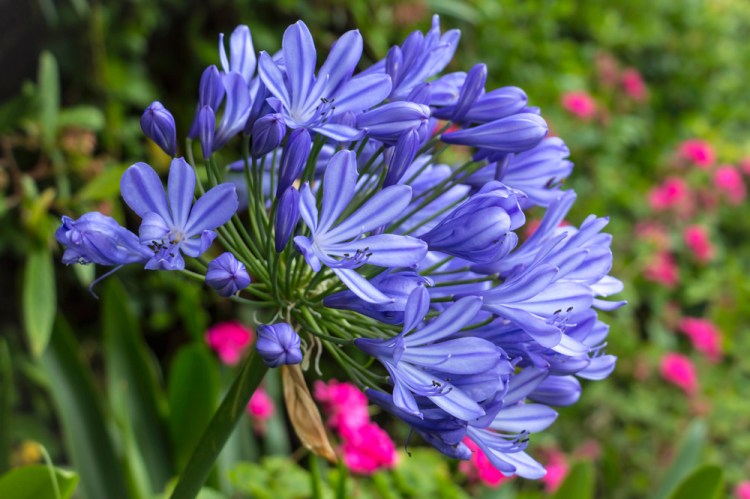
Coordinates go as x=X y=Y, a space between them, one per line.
x=99 y=239
x=171 y=223
x=307 y=101
x=343 y=246
x=429 y=362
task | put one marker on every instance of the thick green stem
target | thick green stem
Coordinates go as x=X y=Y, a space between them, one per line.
x=220 y=428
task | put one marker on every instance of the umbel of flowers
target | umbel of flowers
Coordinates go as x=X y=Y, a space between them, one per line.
x=327 y=192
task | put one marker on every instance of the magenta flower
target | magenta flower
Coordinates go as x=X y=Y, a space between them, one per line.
x=698 y=152
x=663 y=269
x=580 y=104
x=344 y=403
x=704 y=335
x=671 y=193
x=680 y=371
x=229 y=340
x=368 y=449
x=742 y=491
x=633 y=85
x=261 y=406
x=557 y=469
x=728 y=180
x=698 y=242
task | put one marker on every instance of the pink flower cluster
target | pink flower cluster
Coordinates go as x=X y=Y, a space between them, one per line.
x=580 y=104
x=697 y=152
x=680 y=371
x=728 y=181
x=698 y=242
x=229 y=340
x=704 y=335
x=367 y=448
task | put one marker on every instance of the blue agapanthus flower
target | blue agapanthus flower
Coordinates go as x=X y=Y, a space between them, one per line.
x=358 y=234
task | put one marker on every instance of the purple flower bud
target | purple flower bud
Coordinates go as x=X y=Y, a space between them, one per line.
x=211 y=90
x=227 y=275
x=557 y=390
x=480 y=229
x=393 y=62
x=422 y=94
x=293 y=159
x=401 y=156
x=96 y=238
x=497 y=104
x=472 y=88
x=287 y=216
x=386 y=123
x=268 y=132
x=278 y=344
x=514 y=133
x=206 y=124
x=158 y=125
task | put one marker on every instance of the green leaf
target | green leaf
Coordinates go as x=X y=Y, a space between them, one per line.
x=83 y=422
x=105 y=186
x=35 y=482
x=193 y=391
x=86 y=117
x=579 y=484
x=133 y=388
x=49 y=98
x=39 y=300
x=687 y=458
x=12 y=111
x=707 y=482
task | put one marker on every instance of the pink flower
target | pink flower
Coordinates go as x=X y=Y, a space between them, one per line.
x=633 y=85
x=368 y=449
x=698 y=242
x=680 y=371
x=344 y=403
x=704 y=335
x=229 y=340
x=745 y=165
x=261 y=406
x=579 y=104
x=672 y=192
x=663 y=269
x=698 y=152
x=557 y=469
x=742 y=491
x=729 y=181
x=478 y=467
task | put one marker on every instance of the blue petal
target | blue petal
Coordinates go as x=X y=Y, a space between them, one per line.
x=181 y=188
x=512 y=134
x=273 y=79
x=417 y=306
x=308 y=208
x=523 y=383
x=143 y=191
x=360 y=286
x=525 y=417
x=383 y=250
x=153 y=228
x=213 y=209
x=339 y=66
x=338 y=188
x=460 y=356
x=299 y=60
x=382 y=208
x=451 y=320
x=362 y=93
x=196 y=246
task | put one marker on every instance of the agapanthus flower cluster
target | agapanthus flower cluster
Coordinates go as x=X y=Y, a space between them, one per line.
x=320 y=192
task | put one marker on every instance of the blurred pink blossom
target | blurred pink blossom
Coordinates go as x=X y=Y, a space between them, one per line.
x=368 y=449
x=704 y=335
x=261 y=406
x=557 y=469
x=680 y=371
x=344 y=403
x=663 y=269
x=654 y=233
x=633 y=85
x=698 y=242
x=745 y=165
x=742 y=491
x=729 y=181
x=479 y=467
x=671 y=193
x=698 y=152
x=229 y=340
x=580 y=104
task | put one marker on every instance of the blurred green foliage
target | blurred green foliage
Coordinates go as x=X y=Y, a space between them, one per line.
x=124 y=407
